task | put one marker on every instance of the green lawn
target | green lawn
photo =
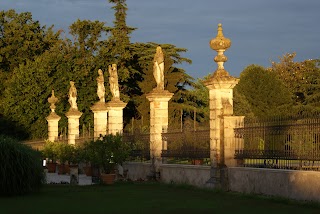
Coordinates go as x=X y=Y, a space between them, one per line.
x=147 y=198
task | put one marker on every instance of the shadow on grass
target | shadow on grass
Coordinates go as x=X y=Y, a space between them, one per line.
x=149 y=197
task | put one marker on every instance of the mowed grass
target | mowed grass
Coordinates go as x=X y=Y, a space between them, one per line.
x=147 y=198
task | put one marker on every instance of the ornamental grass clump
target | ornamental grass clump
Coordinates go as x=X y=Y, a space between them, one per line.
x=21 y=168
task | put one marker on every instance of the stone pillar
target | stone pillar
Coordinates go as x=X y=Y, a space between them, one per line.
x=220 y=86
x=73 y=116
x=53 y=128
x=115 y=116
x=230 y=142
x=100 y=114
x=53 y=119
x=158 y=119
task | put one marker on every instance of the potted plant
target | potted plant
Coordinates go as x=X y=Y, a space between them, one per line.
x=50 y=153
x=106 y=154
x=86 y=152
x=64 y=154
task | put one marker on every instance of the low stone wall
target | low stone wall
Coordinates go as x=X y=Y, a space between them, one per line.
x=137 y=170
x=170 y=173
x=195 y=175
x=294 y=184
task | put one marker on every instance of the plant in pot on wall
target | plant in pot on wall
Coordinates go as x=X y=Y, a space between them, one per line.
x=64 y=155
x=107 y=153
x=50 y=153
x=87 y=155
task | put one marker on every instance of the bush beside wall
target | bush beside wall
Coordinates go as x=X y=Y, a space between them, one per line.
x=21 y=168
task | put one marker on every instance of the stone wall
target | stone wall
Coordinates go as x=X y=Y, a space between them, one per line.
x=185 y=174
x=294 y=184
x=137 y=170
x=170 y=173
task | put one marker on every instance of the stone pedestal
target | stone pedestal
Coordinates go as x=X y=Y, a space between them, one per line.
x=100 y=114
x=73 y=116
x=220 y=86
x=220 y=104
x=53 y=128
x=230 y=142
x=158 y=119
x=115 y=116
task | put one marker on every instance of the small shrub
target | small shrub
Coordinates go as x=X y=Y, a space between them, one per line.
x=21 y=169
x=107 y=152
x=50 y=151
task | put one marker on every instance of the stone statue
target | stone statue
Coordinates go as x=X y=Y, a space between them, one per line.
x=158 y=68
x=73 y=96
x=113 y=81
x=101 y=89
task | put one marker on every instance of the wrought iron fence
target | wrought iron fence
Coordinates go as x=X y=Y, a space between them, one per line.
x=280 y=143
x=186 y=146
x=140 y=145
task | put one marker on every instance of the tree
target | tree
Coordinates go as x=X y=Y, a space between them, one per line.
x=176 y=80
x=21 y=39
x=263 y=92
x=302 y=79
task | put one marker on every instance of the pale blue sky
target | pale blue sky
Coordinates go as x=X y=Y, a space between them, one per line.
x=260 y=30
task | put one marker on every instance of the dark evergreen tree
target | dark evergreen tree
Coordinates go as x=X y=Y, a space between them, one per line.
x=263 y=92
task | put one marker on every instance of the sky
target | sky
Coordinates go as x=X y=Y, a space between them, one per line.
x=261 y=31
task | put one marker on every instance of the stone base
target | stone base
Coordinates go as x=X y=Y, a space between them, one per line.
x=218 y=179
x=158 y=93
x=99 y=106
x=115 y=116
x=100 y=114
x=73 y=113
x=116 y=103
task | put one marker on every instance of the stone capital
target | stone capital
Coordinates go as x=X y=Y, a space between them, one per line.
x=159 y=95
x=116 y=104
x=227 y=82
x=99 y=106
x=53 y=116
x=73 y=113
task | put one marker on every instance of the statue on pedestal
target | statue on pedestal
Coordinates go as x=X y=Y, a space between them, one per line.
x=113 y=81
x=158 y=68
x=101 y=89
x=73 y=96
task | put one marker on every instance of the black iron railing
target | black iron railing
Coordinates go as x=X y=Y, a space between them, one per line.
x=286 y=143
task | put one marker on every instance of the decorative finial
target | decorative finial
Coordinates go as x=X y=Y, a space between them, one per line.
x=52 y=100
x=220 y=44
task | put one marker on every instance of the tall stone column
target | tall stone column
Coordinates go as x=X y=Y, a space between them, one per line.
x=115 y=117
x=73 y=125
x=100 y=115
x=220 y=86
x=100 y=109
x=53 y=119
x=115 y=106
x=158 y=119
x=159 y=98
x=73 y=115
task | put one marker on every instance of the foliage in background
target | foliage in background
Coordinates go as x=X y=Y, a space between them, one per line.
x=93 y=46
x=302 y=80
x=34 y=60
x=21 y=168
x=261 y=92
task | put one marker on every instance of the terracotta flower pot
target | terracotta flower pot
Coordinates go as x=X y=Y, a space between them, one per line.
x=107 y=178
x=197 y=162
x=63 y=169
x=51 y=167
x=87 y=170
